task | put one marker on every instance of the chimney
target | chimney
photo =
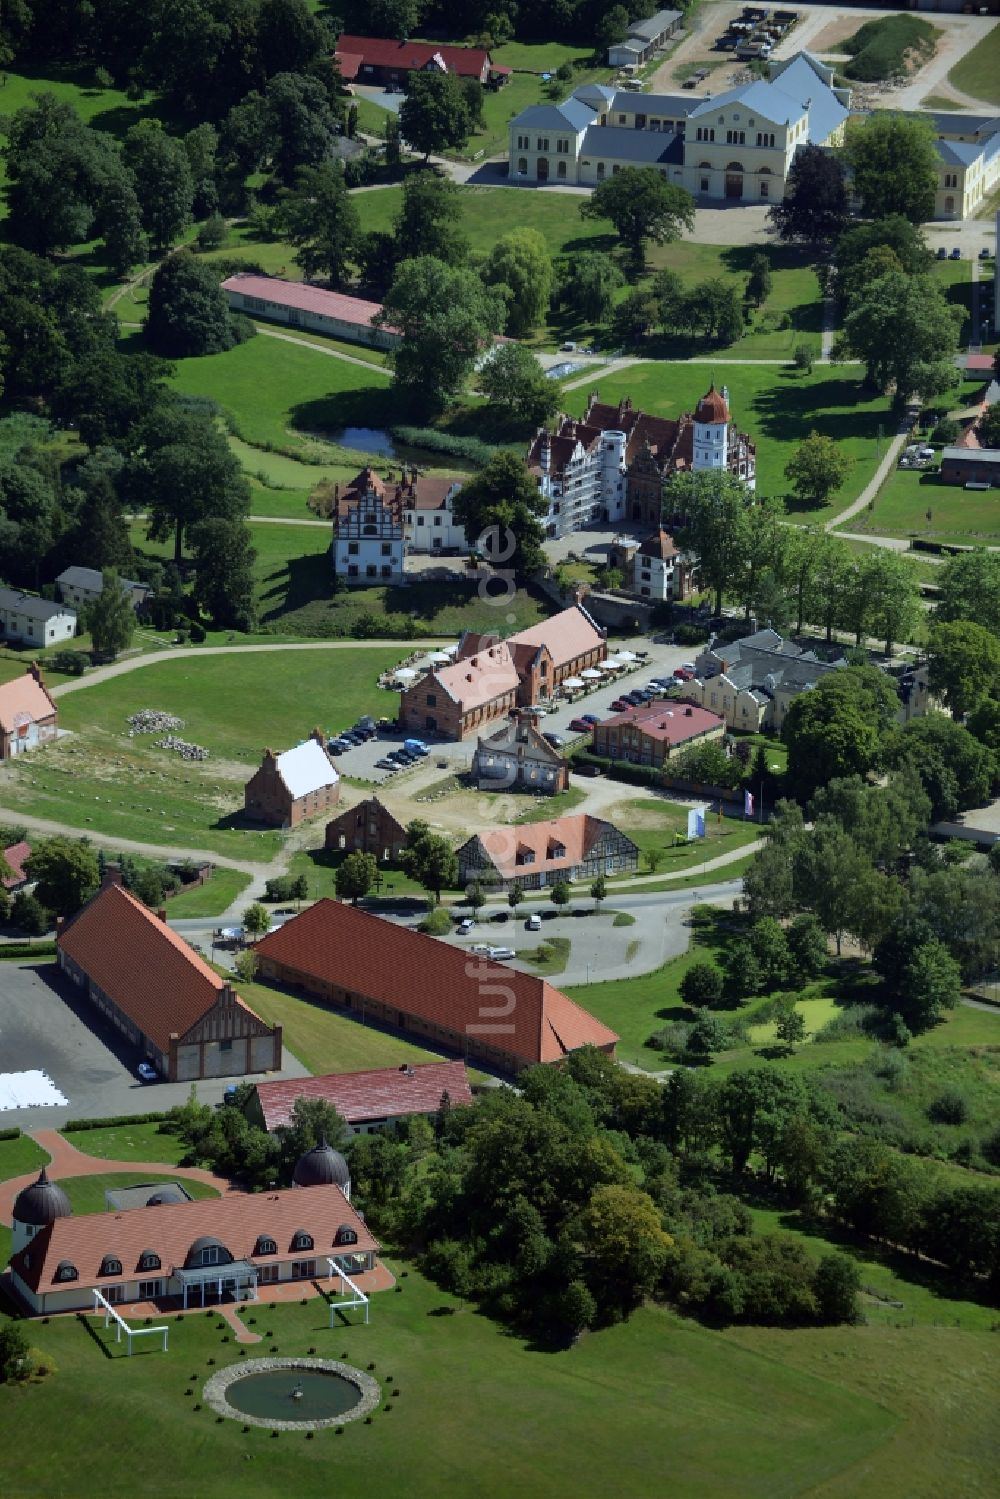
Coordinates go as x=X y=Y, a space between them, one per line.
x=60 y=923
x=689 y=713
x=34 y=670
x=270 y=759
x=161 y=915
x=112 y=875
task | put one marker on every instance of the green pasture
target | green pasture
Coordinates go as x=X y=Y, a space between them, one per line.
x=211 y=899
x=129 y=1142
x=912 y=503
x=978 y=72
x=779 y=408
x=326 y=1039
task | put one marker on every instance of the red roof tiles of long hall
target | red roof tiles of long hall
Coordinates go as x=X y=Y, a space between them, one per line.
x=433 y=981
x=382 y=1093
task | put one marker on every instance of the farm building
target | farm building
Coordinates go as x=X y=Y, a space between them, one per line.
x=82 y=585
x=366 y=828
x=648 y=735
x=28 y=715
x=516 y=757
x=384 y=60
x=310 y=307
x=369 y=1102
x=296 y=784
x=536 y=854
x=159 y=993
x=35 y=621
x=427 y=989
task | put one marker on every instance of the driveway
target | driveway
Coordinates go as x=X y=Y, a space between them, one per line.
x=46 y=1024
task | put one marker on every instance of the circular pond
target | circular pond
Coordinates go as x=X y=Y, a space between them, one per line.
x=293 y=1394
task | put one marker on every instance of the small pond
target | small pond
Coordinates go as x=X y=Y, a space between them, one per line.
x=366 y=440
x=290 y=1394
x=294 y=1395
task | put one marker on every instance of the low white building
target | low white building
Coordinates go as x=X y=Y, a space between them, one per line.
x=428 y=518
x=82 y=585
x=26 y=617
x=368 y=541
x=644 y=38
x=301 y=306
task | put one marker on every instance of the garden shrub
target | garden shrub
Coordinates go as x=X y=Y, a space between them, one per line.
x=949 y=1107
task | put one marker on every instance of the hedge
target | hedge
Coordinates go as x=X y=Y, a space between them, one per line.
x=73 y=1126
x=11 y=950
x=470 y=448
x=10 y=1134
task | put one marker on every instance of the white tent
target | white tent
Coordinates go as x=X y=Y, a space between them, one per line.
x=590 y=675
x=438 y=658
x=611 y=664
x=573 y=682
x=627 y=656
x=405 y=674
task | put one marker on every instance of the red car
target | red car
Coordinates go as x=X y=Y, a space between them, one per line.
x=620 y=705
x=683 y=675
x=580 y=725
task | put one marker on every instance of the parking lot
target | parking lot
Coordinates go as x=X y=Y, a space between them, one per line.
x=47 y=1025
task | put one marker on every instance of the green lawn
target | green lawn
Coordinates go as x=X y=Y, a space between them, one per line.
x=86 y=1193
x=919 y=504
x=104 y=108
x=870 y=1410
x=235 y=705
x=656 y=825
x=19 y=1156
x=212 y=898
x=978 y=72
x=285 y=395
x=128 y=1142
x=777 y=406
x=327 y=1040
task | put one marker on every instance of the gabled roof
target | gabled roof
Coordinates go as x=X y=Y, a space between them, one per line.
x=93 y=580
x=306 y=768
x=297 y=294
x=567 y=635
x=24 y=699
x=432 y=981
x=150 y=973
x=475 y=680
x=170 y=1229
x=30 y=605
x=651 y=29
x=660 y=545
x=573 y=114
x=387 y=52
x=627 y=101
x=668 y=721
x=775 y=104
x=576 y=834
x=382 y=1093
x=639 y=146
x=12 y=860
x=521 y=734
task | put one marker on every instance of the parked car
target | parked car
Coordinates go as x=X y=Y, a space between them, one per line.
x=500 y=954
x=466 y=925
x=591 y=717
x=568 y=347
x=984 y=253
x=556 y=740
x=415 y=747
x=147 y=1073
x=942 y=253
x=483 y=947
x=619 y=705
x=533 y=923
x=579 y=726
x=338 y=746
x=682 y=674
x=635 y=697
x=385 y=764
x=956 y=254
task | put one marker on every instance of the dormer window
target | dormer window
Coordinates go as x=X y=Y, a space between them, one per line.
x=110 y=1265
x=265 y=1245
x=66 y=1271
x=557 y=850
x=345 y=1235
x=148 y=1260
x=301 y=1240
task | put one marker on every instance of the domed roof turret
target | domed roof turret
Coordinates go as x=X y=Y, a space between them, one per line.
x=713 y=406
x=40 y=1203
x=321 y=1167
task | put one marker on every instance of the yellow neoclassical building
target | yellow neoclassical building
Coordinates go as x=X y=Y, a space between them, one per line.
x=736 y=146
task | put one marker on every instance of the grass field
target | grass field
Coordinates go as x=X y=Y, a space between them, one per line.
x=212 y=898
x=916 y=504
x=777 y=406
x=978 y=72
x=233 y=704
x=86 y=1193
x=656 y=825
x=326 y=1040
x=871 y=1410
x=128 y=1142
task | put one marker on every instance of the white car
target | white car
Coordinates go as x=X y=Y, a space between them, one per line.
x=147 y=1073
x=499 y=953
x=482 y=947
x=534 y=923
x=465 y=926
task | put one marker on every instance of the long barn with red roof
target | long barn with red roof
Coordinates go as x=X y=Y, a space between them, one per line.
x=441 y=995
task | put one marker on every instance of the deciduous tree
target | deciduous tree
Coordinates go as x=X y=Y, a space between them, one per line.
x=356 y=875
x=641 y=206
x=963 y=664
x=893 y=162
x=447 y=318
x=65 y=871
x=434 y=116
x=817 y=468
x=320 y=218
x=513 y=381
x=520 y=261
x=110 y=618
x=500 y=510
x=814 y=209
x=188 y=311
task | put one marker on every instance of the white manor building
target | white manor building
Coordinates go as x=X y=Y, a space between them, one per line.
x=368 y=533
x=609 y=467
x=737 y=146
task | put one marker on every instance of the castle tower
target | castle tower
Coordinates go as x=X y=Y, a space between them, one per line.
x=711 y=431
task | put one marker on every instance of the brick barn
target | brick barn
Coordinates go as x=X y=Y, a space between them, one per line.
x=366 y=828
x=159 y=993
x=302 y=782
x=369 y=1102
x=28 y=715
x=440 y=995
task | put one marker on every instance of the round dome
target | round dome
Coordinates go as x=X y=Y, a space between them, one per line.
x=712 y=407
x=40 y=1203
x=321 y=1167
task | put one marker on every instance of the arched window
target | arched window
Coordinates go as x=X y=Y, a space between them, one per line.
x=149 y=1260
x=110 y=1265
x=346 y=1235
x=522 y=166
x=302 y=1240
x=704 y=166
x=66 y=1271
x=265 y=1245
x=561 y=169
x=949 y=205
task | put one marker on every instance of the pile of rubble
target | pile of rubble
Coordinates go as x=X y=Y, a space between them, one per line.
x=183 y=747
x=152 y=721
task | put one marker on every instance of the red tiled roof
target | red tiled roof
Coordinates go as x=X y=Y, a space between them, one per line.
x=712 y=407
x=660 y=545
x=576 y=834
x=14 y=857
x=478 y=679
x=385 y=52
x=297 y=294
x=150 y=973
x=979 y=361
x=22 y=699
x=667 y=720
x=567 y=635
x=170 y=1229
x=349 y=64
x=432 y=981
x=383 y=1093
